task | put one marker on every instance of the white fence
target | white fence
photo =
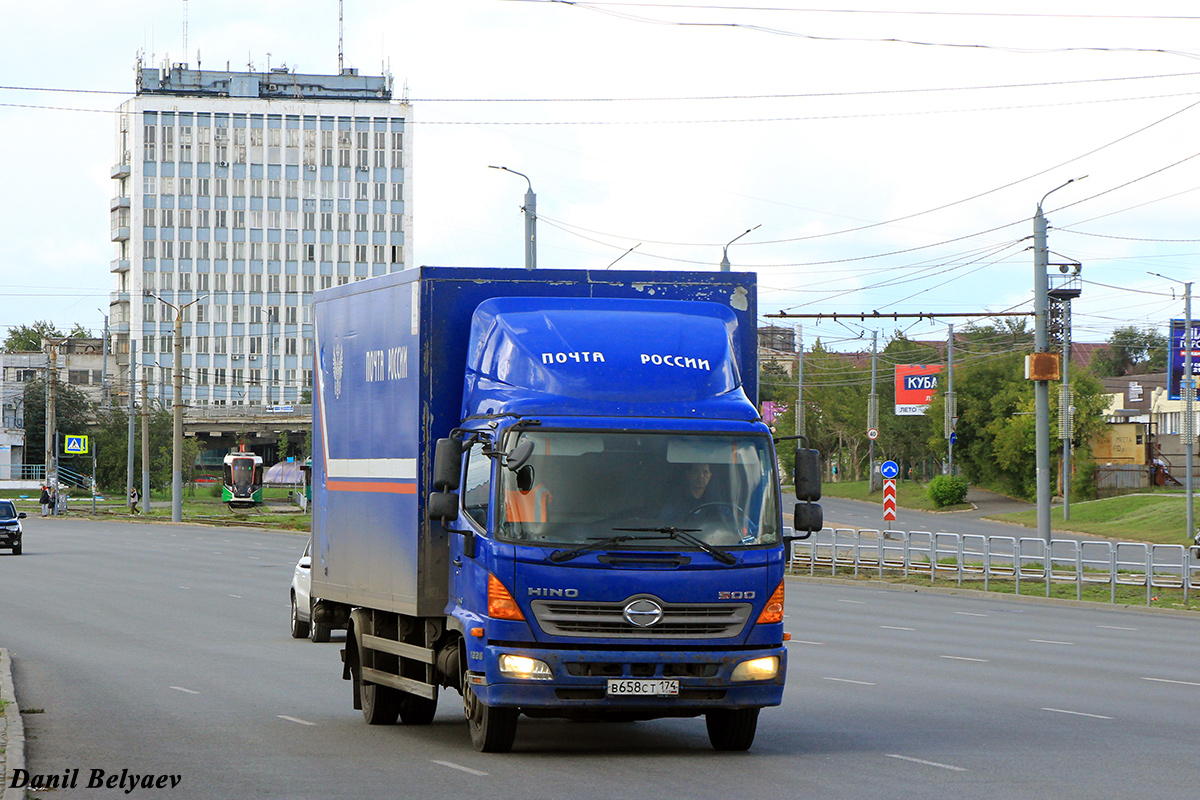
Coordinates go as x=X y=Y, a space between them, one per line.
x=980 y=559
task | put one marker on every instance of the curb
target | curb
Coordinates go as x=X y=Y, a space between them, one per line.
x=14 y=731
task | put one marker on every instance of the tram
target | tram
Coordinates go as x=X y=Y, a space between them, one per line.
x=242 y=474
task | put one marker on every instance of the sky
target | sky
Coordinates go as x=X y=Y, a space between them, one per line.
x=882 y=160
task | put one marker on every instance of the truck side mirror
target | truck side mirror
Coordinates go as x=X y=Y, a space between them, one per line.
x=447 y=467
x=442 y=506
x=807 y=517
x=808 y=475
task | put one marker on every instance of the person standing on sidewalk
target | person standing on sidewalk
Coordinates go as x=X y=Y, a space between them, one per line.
x=134 y=497
x=45 y=500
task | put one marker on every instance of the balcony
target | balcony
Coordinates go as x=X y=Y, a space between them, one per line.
x=120 y=234
x=119 y=265
x=118 y=202
x=121 y=170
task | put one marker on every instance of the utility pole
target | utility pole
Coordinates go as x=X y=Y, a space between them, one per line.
x=177 y=409
x=1041 y=344
x=132 y=382
x=872 y=413
x=530 y=209
x=951 y=406
x=145 y=442
x=1066 y=409
x=799 y=380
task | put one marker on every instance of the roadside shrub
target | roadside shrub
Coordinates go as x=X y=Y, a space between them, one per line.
x=947 y=490
x=214 y=490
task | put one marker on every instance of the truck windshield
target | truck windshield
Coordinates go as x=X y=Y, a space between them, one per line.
x=583 y=486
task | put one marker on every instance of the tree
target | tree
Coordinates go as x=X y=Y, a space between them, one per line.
x=28 y=338
x=775 y=385
x=73 y=413
x=1131 y=351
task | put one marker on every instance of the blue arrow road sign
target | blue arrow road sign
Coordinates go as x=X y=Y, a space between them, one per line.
x=889 y=469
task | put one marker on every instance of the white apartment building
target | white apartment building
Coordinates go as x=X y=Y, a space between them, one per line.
x=238 y=195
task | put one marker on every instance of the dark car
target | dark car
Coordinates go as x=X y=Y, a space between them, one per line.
x=10 y=526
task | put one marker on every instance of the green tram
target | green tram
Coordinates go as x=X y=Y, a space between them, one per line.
x=242 y=474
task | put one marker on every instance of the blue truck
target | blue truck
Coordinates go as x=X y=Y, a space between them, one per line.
x=551 y=492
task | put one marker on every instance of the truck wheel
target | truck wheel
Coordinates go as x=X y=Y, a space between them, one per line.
x=732 y=729
x=492 y=729
x=416 y=710
x=299 y=628
x=380 y=704
x=319 y=630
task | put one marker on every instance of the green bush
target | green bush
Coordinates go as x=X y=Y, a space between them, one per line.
x=215 y=490
x=947 y=490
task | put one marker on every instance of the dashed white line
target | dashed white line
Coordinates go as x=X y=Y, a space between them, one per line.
x=970 y=613
x=296 y=720
x=847 y=680
x=939 y=765
x=1168 y=680
x=185 y=691
x=460 y=767
x=238 y=596
x=1116 y=628
x=855 y=602
x=1050 y=641
x=185 y=587
x=966 y=658
x=802 y=641
x=1076 y=713
x=896 y=628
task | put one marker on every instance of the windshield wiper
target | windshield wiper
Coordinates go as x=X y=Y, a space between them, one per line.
x=685 y=535
x=558 y=556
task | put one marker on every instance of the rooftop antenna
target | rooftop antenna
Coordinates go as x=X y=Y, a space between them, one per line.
x=340 y=32
x=185 y=10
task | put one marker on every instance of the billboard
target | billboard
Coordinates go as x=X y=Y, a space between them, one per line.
x=1176 y=355
x=915 y=387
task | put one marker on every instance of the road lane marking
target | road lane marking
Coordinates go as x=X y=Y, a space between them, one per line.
x=452 y=765
x=802 y=641
x=965 y=658
x=896 y=628
x=855 y=602
x=185 y=587
x=950 y=767
x=238 y=596
x=185 y=691
x=847 y=680
x=1168 y=680
x=296 y=720
x=1116 y=628
x=970 y=613
x=1050 y=641
x=1076 y=713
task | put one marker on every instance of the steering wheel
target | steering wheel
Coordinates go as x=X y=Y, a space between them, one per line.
x=732 y=508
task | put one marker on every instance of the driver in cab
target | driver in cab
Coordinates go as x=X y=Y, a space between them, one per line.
x=692 y=495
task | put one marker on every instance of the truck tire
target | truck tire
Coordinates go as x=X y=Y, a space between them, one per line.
x=493 y=730
x=415 y=710
x=299 y=627
x=731 y=729
x=380 y=704
x=319 y=630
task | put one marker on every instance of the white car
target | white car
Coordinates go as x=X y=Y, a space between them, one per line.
x=303 y=603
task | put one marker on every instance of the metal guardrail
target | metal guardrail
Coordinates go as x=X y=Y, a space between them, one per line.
x=978 y=558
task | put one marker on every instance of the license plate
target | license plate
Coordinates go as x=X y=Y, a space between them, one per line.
x=628 y=687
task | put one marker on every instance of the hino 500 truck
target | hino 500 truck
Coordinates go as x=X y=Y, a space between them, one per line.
x=551 y=492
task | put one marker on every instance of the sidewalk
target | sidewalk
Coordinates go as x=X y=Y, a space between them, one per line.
x=986 y=503
x=12 y=731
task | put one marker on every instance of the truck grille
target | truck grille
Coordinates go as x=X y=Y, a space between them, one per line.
x=606 y=620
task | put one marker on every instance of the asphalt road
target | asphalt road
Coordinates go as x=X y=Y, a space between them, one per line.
x=165 y=650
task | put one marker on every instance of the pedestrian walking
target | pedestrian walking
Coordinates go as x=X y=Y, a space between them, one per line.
x=45 y=500
x=54 y=501
x=134 y=497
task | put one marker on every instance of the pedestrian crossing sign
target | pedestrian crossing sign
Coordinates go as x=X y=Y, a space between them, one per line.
x=76 y=445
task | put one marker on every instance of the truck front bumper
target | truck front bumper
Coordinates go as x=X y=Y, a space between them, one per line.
x=579 y=680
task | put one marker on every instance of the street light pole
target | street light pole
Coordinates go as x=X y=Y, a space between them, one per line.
x=1041 y=342
x=725 y=249
x=1187 y=393
x=530 y=209
x=177 y=432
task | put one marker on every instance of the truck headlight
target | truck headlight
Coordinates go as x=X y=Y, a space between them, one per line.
x=756 y=669
x=525 y=668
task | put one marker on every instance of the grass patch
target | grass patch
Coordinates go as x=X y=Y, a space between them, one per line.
x=909 y=494
x=1155 y=518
